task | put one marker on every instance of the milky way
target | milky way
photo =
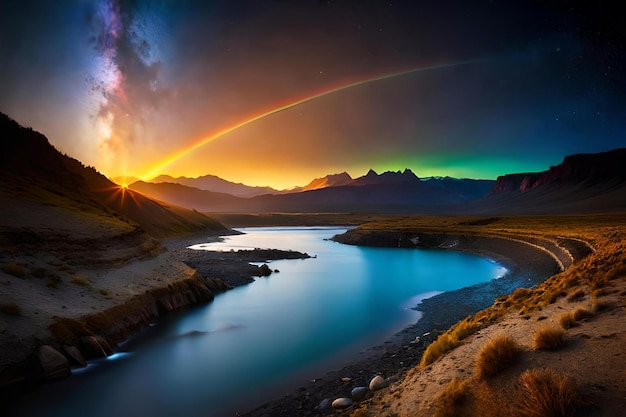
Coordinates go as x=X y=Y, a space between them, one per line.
x=127 y=86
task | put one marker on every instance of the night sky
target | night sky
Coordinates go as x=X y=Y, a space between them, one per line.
x=498 y=86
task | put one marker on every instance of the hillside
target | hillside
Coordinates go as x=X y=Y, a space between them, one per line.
x=34 y=171
x=77 y=250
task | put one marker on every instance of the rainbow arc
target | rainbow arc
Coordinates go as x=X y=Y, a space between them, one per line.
x=224 y=131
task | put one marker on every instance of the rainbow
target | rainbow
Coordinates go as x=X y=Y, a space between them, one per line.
x=224 y=131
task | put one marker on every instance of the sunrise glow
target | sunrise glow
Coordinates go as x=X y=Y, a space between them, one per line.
x=310 y=97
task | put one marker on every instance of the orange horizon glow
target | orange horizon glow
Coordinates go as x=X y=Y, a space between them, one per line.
x=282 y=107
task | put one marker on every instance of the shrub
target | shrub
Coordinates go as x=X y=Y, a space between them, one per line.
x=497 y=355
x=567 y=320
x=11 y=309
x=14 y=269
x=453 y=398
x=546 y=393
x=548 y=338
x=449 y=340
x=437 y=348
x=581 y=313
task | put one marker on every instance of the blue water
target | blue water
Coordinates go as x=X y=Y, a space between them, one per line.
x=262 y=340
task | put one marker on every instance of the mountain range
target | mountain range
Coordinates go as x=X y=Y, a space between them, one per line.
x=34 y=171
x=585 y=183
x=387 y=192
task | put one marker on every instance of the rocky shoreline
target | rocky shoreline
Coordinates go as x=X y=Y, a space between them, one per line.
x=175 y=278
x=528 y=262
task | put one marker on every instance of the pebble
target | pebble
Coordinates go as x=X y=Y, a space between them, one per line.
x=342 y=403
x=359 y=393
x=377 y=383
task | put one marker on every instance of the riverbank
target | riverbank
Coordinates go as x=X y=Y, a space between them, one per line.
x=527 y=262
x=83 y=310
x=580 y=370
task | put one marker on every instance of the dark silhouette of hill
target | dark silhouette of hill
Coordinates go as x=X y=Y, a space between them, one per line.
x=217 y=184
x=389 y=192
x=581 y=184
x=33 y=171
x=190 y=197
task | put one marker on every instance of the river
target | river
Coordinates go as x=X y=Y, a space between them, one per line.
x=262 y=340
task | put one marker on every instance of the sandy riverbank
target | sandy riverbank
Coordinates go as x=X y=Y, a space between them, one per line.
x=527 y=261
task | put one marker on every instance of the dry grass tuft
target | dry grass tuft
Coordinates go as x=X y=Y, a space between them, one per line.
x=548 y=338
x=571 y=319
x=546 y=393
x=581 y=313
x=497 y=355
x=567 y=320
x=453 y=398
x=437 y=348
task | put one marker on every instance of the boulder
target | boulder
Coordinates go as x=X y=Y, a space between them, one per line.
x=264 y=271
x=359 y=393
x=342 y=403
x=74 y=354
x=53 y=363
x=377 y=383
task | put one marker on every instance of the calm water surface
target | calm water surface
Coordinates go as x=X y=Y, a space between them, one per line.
x=263 y=340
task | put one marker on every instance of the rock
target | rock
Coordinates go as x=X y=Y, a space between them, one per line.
x=325 y=407
x=75 y=355
x=264 y=271
x=377 y=383
x=358 y=394
x=95 y=347
x=53 y=363
x=342 y=403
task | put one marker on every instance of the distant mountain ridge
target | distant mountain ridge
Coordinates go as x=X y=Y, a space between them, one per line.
x=331 y=180
x=586 y=183
x=400 y=191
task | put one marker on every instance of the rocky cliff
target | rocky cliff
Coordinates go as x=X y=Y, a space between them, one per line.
x=590 y=169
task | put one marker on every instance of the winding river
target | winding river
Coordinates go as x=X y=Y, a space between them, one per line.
x=263 y=340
